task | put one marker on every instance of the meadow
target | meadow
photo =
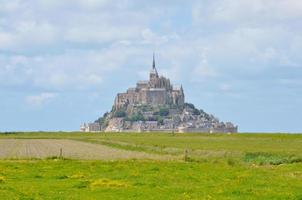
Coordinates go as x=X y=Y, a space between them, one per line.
x=150 y=166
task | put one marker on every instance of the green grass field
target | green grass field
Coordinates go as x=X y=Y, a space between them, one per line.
x=239 y=166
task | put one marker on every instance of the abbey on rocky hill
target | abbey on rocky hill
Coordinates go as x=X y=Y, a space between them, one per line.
x=156 y=105
x=157 y=91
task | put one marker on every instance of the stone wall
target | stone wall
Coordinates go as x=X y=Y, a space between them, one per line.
x=157 y=97
x=207 y=130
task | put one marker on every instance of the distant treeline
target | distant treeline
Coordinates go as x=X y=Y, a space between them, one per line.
x=8 y=133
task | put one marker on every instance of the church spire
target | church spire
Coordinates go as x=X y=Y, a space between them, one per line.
x=153 y=65
x=154 y=71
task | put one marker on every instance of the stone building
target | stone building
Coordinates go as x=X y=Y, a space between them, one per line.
x=156 y=91
x=90 y=127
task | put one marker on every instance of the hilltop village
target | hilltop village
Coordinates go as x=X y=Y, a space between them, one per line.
x=156 y=105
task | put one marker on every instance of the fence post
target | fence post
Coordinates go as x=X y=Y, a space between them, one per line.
x=61 y=153
x=186 y=155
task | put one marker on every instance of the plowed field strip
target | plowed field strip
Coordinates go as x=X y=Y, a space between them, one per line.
x=43 y=148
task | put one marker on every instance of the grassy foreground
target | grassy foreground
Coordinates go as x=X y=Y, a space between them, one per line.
x=66 y=179
x=219 y=166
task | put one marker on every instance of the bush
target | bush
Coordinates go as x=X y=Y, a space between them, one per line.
x=120 y=114
x=190 y=105
x=101 y=120
x=164 y=112
x=196 y=112
x=160 y=120
x=145 y=108
x=263 y=158
x=136 y=117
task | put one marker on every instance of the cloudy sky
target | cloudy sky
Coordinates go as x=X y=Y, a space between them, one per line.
x=63 y=61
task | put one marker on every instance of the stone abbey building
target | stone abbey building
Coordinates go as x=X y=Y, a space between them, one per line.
x=156 y=105
x=157 y=91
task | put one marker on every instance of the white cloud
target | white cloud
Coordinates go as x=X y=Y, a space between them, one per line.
x=100 y=34
x=6 y=40
x=247 y=12
x=40 y=99
x=81 y=4
x=26 y=35
x=9 y=6
x=150 y=37
x=92 y=4
x=32 y=25
x=42 y=33
x=73 y=70
x=80 y=53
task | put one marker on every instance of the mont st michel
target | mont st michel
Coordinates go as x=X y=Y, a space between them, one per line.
x=88 y=111
x=156 y=105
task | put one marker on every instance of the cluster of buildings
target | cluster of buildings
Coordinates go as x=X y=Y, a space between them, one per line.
x=90 y=127
x=156 y=105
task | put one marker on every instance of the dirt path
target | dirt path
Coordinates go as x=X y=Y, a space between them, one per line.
x=43 y=148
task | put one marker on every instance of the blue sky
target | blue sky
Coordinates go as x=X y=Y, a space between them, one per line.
x=63 y=61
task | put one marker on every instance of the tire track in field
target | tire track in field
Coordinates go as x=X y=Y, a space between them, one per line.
x=43 y=148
